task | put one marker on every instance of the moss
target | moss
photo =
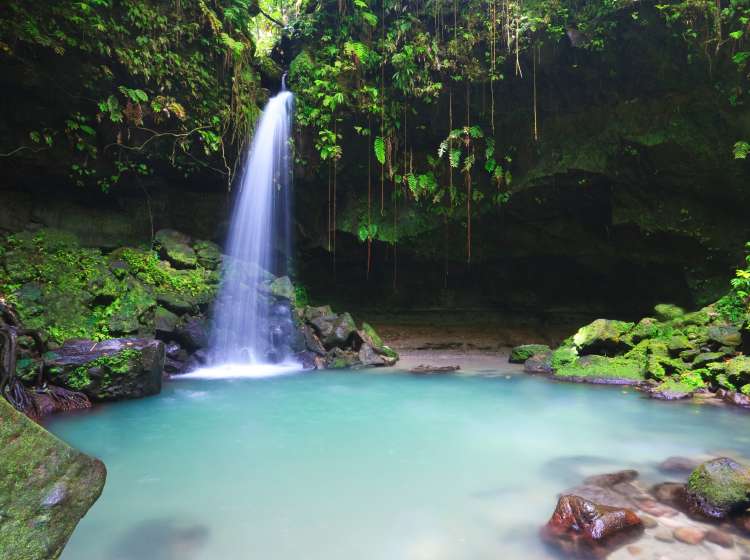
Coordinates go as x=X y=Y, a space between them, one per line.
x=601 y=367
x=372 y=333
x=723 y=483
x=45 y=488
x=604 y=333
x=120 y=363
x=564 y=355
x=668 y=311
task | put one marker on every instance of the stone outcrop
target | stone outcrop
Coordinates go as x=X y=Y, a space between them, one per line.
x=719 y=488
x=46 y=487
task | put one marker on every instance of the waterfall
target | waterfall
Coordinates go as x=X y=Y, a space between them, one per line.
x=248 y=325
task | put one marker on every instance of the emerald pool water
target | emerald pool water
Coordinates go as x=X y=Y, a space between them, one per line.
x=367 y=466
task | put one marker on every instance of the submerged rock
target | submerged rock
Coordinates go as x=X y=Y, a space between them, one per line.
x=46 y=487
x=520 y=354
x=719 y=488
x=678 y=465
x=585 y=529
x=120 y=368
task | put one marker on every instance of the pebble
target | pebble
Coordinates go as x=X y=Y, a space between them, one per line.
x=648 y=521
x=656 y=509
x=720 y=537
x=689 y=535
x=663 y=535
x=635 y=550
x=671 y=523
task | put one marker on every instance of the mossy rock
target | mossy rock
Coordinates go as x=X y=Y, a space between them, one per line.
x=374 y=337
x=704 y=358
x=564 y=355
x=719 y=487
x=175 y=247
x=46 y=487
x=520 y=354
x=115 y=369
x=165 y=322
x=678 y=343
x=738 y=370
x=668 y=311
x=208 y=254
x=671 y=390
x=282 y=288
x=603 y=336
x=130 y=310
x=725 y=335
x=601 y=369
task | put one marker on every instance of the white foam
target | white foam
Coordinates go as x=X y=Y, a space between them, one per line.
x=236 y=371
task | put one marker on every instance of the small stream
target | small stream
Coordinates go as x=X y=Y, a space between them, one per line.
x=368 y=466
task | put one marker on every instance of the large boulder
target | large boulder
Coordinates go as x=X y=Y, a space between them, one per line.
x=603 y=336
x=121 y=368
x=582 y=528
x=334 y=330
x=46 y=487
x=719 y=488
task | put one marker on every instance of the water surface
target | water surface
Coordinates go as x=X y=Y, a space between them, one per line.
x=372 y=466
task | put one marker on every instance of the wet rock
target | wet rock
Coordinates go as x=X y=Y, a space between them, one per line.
x=608 y=480
x=312 y=342
x=670 y=391
x=46 y=487
x=193 y=334
x=586 y=529
x=649 y=522
x=656 y=509
x=718 y=488
x=339 y=359
x=671 y=493
x=705 y=358
x=664 y=535
x=177 y=303
x=678 y=465
x=120 y=368
x=334 y=330
x=736 y=398
x=600 y=495
x=602 y=337
x=689 y=535
x=520 y=354
x=722 y=538
x=539 y=364
x=630 y=491
x=282 y=288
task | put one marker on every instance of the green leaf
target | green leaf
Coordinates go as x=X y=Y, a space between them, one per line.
x=379 y=147
x=737 y=34
x=455 y=158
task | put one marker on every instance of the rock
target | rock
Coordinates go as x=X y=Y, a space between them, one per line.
x=282 y=288
x=722 y=538
x=600 y=495
x=374 y=337
x=649 y=522
x=601 y=370
x=539 y=364
x=174 y=246
x=718 y=488
x=630 y=491
x=668 y=311
x=334 y=331
x=705 y=358
x=672 y=493
x=428 y=369
x=177 y=303
x=736 y=398
x=208 y=254
x=664 y=535
x=368 y=357
x=738 y=370
x=689 y=535
x=339 y=359
x=120 y=368
x=46 y=487
x=165 y=322
x=603 y=337
x=520 y=354
x=193 y=334
x=670 y=391
x=725 y=335
x=608 y=480
x=678 y=465
x=656 y=509
x=135 y=302
x=582 y=528
x=312 y=342
x=678 y=343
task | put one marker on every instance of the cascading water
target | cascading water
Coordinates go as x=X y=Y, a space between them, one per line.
x=249 y=327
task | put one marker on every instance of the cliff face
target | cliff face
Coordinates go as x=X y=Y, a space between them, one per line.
x=627 y=195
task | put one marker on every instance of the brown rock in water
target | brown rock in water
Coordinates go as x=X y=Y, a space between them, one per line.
x=588 y=530
x=672 y=493
x=656 y=509
x=600 y=495
x=689 y=535
x=722 y=538
x=608 y=480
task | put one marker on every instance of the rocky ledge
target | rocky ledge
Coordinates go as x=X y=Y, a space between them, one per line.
x=673 y=356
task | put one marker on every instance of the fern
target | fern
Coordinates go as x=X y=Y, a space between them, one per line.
x=379 y=147
x=455 y=158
